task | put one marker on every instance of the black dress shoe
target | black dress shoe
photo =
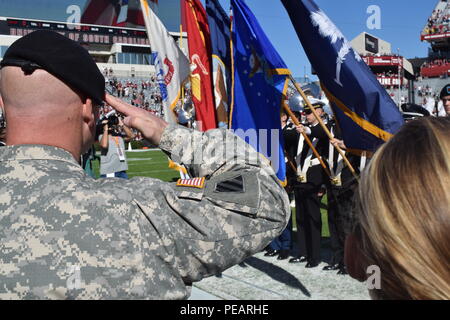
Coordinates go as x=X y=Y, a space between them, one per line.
x=284 y=254
x=272 y=253
x=342 y=271
x=297 y=260
x=311 y=264
x=331 y=267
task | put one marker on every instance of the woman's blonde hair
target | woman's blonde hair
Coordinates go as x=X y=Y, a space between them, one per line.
x=404 y=212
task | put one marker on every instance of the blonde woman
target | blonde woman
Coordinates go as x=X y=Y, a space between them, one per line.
x=403 y=215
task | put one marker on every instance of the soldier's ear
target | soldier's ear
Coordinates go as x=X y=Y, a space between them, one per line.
x=354 y=258
x=88 y=115
x=1 y=102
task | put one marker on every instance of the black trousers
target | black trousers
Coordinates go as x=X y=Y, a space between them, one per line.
x=308 y=216
x=337 y=234
x=341 y=215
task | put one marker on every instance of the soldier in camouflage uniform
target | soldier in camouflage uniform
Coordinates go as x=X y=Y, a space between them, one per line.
x=64 y=235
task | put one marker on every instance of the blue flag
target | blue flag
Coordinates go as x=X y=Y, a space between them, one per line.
x=219 y=27
x=364 y=111
x=260 y=81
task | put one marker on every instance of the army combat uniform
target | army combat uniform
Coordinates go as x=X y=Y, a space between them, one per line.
x=64 y=235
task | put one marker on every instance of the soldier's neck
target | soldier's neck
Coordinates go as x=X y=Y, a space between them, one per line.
x=67 y=145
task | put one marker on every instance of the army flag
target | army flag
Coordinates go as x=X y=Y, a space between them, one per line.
x=172 y=66
x=199 y=41
x=260 y=81
x=219 y=26
x=364 y=111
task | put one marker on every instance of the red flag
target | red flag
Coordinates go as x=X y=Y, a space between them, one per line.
x=197 y=28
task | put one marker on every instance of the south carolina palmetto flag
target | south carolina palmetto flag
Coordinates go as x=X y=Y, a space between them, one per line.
x=365 y=113
x=172 y=66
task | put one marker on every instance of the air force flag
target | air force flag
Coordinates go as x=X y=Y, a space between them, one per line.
x=364 y=111
x=260 y=81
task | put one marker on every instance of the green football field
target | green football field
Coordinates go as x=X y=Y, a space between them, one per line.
x=154 y=163
x=151 y=163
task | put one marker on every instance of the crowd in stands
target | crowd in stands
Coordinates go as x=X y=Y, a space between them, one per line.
x=439 y=22
x=436 y=63
x=379 y=55
x=142 y=93
x=387 y=74
x=435 y=68
x=145 y=94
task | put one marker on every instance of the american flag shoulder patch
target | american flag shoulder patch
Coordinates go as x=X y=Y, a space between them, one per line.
x=193 y=183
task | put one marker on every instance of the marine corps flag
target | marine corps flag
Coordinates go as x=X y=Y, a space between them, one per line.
x=365 y=112
x=260 y=82
x=172 y=66
x=199 y=40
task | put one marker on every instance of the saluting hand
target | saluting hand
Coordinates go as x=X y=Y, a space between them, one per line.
x=149 y=125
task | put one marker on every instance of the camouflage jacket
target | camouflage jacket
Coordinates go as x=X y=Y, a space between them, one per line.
x=65 y=235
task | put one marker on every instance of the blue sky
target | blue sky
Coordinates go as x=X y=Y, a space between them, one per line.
x=56 y=10
x=401 y=22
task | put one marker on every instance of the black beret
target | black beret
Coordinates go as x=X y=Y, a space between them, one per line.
x=414 y=108
x=60 y=56
x=445 y=91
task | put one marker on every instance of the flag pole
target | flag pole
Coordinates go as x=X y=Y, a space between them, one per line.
x=181 y=47
x=324 y=127
x=308 y=141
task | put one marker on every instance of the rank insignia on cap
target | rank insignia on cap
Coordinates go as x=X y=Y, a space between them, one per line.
x=193 y=183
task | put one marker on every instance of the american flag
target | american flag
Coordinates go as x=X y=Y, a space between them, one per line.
x=195 y=183
x=114 y=13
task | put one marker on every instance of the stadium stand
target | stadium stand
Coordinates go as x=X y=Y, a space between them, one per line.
x=439 y=21
x=437 y=33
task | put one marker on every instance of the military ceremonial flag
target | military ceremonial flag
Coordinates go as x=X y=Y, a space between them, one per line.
x=199 y=42
x=365 y=112
x=260 y=80
x=172 y=66
x=219 y=26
